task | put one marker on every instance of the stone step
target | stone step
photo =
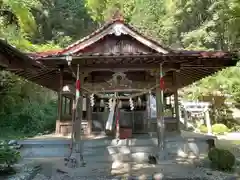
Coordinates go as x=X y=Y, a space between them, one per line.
x=113 y=142
x=51 y=151
x=112 y=152
x=131 y=149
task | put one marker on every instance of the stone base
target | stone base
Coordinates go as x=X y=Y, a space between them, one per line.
x=75 y=160
x=138 y=150
x=64 y=128
x=127 y=150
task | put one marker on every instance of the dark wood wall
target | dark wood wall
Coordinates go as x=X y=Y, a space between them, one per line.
x=112 y=44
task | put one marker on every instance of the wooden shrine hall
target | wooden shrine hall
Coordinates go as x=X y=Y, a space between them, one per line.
x=115 y=59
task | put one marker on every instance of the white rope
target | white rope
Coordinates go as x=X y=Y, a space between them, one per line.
x=122 y=97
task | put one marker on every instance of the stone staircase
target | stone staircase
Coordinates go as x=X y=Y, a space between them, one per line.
x=108 y=150
x=138 y=150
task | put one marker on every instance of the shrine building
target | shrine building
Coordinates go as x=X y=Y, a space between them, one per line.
x=115 y=62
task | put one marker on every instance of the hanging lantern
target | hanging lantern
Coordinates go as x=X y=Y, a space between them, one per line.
x=102 y=104
x=69 y=59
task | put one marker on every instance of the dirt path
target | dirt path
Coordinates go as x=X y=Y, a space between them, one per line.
x=103 y=171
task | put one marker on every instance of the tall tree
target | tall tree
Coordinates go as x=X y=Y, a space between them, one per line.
x=19 y=12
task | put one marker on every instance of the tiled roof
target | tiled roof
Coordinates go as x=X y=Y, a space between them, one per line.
x=92 y=35
x=79 y=43
x=15 y=55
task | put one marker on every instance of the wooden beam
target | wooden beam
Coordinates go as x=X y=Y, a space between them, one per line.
x=89 y=115
x=103 y=57
x=176 y=104
x=42 y=73
x=125 y=67
x=143 y=67
x=120 y=90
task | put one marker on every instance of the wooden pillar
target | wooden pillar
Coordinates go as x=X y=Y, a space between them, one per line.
x=160 y=109
x=146 y=119
x=208 y=120
x=79 y=113
x=176 y=102
x=59 y=101
x=79 y=119
x=89 y=115
x=70 y=105
x=148 y=107
x=60 y=95
x=78 y=124
x=65 y=105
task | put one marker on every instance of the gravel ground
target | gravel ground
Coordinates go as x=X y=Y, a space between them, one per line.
x=103 y=171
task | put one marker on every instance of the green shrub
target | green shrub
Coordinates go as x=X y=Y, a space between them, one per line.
x=203 y=128
x=8 y=157
x=221 y=159
x=235 y=128
x=219 y=129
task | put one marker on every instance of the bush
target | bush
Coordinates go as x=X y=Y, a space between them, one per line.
x=203 y=128
x=235 y=128
x=219 y=129
x=8 y=157
x=221 y=159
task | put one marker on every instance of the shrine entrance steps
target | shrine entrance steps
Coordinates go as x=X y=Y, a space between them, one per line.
x=107 y=150
x=176 y=146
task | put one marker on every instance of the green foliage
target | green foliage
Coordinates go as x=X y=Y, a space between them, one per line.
x=203 y=128
x=188 y=24
x=219 y=129
x=19 y=40
x=19 y=12
x=62 y=22
x=221 y=159
x=96 y=8
x=103 y=10
x=8 y=157
x=235 y=128
x=216 y=129
x=25 y=108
